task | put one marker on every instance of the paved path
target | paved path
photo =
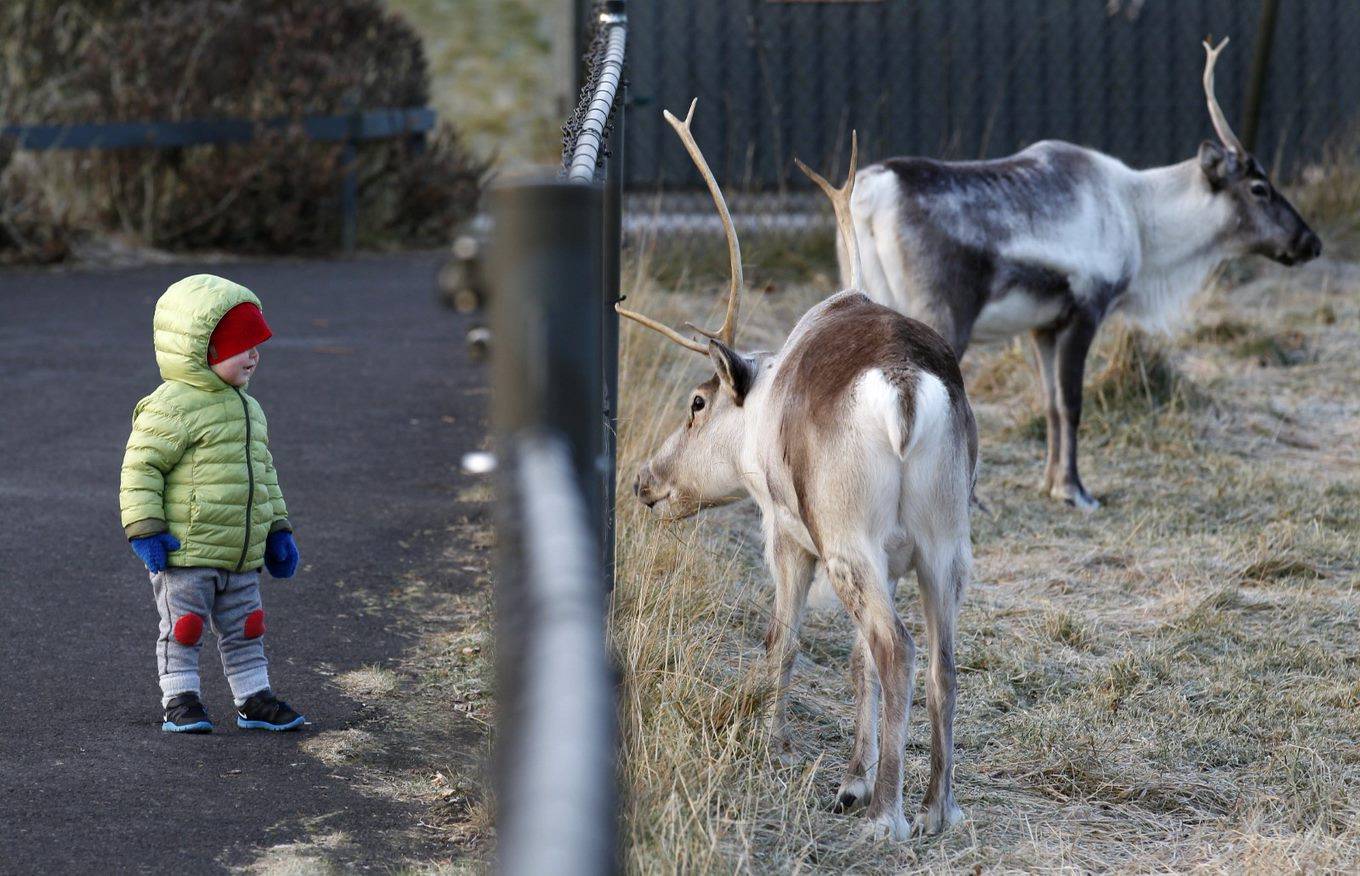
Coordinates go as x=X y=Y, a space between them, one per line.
x=370 y=404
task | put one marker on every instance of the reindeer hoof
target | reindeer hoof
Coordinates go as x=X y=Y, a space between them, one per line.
x=935 y=819
x=890 y=826
x=1076 y=496
x=853 y=794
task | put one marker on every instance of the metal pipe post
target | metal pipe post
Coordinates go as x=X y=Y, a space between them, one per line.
x=545 y=315
x=609 y=330
x=1260 y=63
x=349 y=184
x=554 y=757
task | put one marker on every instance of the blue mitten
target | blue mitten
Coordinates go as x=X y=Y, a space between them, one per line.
x=281 y=554
x=153 y=548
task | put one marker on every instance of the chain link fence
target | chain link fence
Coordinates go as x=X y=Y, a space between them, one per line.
x=959 y=80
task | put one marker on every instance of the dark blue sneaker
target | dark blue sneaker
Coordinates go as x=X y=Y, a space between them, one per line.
x=264 y=711
x=185 y=714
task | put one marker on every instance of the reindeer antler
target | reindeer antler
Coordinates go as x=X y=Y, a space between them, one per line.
x=687 y=343
x=1225 y=133
x=840 y=202
x=728 y=333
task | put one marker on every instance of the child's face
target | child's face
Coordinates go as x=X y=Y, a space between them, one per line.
x=238 y=370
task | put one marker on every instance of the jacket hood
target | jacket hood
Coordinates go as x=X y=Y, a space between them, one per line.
x=185 y=318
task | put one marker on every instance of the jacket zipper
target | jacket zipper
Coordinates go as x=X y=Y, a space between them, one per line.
x=250 y=477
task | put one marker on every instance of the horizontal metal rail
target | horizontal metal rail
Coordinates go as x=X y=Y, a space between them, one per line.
x=413 y=123
x=374 y=124
x=585 y=157
x=559 y=798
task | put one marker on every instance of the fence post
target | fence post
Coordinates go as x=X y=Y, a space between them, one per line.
x=1260 y=63
x=609 y=330
x=547 y=293
x=545 y=309
x=349 y=182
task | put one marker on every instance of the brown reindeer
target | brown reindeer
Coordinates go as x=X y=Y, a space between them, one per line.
x=856 y=440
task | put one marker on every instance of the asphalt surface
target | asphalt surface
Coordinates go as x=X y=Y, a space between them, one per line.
x=371 y=403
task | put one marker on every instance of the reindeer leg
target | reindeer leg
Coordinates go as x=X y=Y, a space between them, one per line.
x=861 y=584
x=942 y=573
x=792 y=568
x=1045 y=342
x=1073 y=343
x=859 y=776
x=856 y=787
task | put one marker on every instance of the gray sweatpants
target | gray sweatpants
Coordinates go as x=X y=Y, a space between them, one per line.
x=190 y=599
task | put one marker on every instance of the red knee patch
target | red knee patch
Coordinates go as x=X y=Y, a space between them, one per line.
x=255 y=624
x=188 y=629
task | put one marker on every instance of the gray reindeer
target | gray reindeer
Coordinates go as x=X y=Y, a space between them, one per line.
x=856 y=440
x=1055 y=238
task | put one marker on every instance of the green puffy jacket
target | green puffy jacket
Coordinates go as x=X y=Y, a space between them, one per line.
x=197 y=462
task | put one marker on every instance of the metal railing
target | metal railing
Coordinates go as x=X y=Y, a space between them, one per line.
x=558 y=797
x=554 y=280
x=411 y=123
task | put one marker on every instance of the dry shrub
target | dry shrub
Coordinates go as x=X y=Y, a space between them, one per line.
x=1138 y=377
x=32 y=226
x=1003 y=372
x=1280 y=349
x=1134 y=392
x=168 y=60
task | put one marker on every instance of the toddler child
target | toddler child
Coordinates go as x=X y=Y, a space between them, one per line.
x=201 y=503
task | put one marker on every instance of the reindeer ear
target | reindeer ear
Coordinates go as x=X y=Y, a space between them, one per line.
x=735 y=372
x=1219 y=164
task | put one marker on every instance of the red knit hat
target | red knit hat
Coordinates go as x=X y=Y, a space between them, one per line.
x=240 y=329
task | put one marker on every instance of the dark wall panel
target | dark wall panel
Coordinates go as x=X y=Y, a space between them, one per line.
x=969 y=79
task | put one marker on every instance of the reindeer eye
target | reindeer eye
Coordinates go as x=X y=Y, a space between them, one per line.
x=697 y=405
x=1260 y=189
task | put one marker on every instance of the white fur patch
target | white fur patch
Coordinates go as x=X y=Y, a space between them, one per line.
x=874 y=208
x=883 y=403
x=1014 y=313
x=882 y=400
x=932 y=421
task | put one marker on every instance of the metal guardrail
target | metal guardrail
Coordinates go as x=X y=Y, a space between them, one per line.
x=557 y=802
x=412 y=123
x=554 y=279
x=585 y=157
x=362 y=125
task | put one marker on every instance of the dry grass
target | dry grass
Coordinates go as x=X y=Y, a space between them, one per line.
x=369 y=684
x=308 y=858
x=1172 y=683
x=338 y=747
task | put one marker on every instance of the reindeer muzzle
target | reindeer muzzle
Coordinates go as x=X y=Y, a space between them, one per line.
x=1307 y=247
x=645 y=487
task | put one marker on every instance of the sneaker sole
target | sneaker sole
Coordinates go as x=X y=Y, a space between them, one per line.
x=265 y=725
x=196 y=727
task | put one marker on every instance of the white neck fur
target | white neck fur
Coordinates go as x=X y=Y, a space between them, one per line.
x=1183 y=230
